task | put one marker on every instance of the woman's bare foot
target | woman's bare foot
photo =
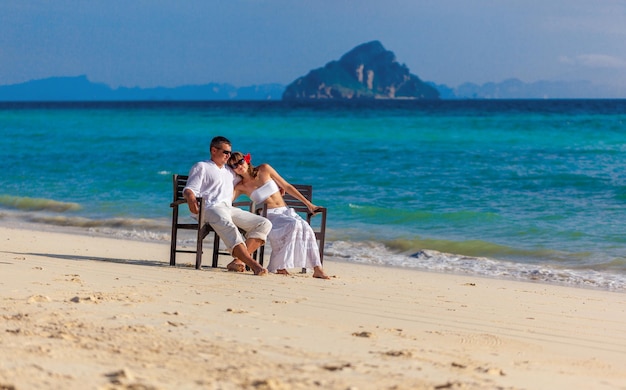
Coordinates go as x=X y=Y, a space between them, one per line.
x=319 y=273
x=236 y=266
x=283 y=272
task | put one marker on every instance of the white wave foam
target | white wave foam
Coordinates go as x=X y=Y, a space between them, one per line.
x=378 y=254
x=141 y=235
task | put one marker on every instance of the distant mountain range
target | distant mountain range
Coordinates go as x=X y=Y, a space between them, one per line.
x=516 y=89
x=81 y=89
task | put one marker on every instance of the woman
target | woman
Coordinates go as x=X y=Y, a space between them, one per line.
x=292 y=239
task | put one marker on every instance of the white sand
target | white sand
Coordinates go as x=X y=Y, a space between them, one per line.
x=82 y=312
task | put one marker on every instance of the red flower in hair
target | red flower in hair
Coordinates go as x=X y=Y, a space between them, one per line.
x=247 y=158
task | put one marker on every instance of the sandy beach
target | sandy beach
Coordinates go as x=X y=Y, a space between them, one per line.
x=83 y=312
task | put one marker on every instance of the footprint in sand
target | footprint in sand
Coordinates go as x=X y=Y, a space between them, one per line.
x=74 y=278
x=400 y=353
x=363 y=334
x=39 y=298
x=237 y=311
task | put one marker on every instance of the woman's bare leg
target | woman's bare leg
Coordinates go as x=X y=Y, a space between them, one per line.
x=319 y=273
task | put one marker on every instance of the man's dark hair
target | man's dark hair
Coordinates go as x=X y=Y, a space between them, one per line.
x=216 y=142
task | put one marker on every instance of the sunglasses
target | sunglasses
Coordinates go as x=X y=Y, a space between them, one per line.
x=238 y=163
x=226 y=152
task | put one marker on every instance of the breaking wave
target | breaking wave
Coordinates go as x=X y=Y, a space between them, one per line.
x=37 y=204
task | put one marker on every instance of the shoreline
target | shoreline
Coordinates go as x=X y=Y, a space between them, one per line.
x=425 y=260
x=112 y=313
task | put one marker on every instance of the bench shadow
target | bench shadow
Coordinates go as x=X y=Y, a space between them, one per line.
x=150 y=263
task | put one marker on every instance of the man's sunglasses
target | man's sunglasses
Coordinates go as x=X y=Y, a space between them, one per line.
x=226 y=152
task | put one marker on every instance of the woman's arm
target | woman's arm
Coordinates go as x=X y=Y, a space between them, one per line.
x=291 y=190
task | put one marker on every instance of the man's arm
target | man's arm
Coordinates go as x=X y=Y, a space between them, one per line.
x=192 y=202
x=193 y=187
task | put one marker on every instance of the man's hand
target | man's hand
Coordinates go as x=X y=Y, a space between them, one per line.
x=192 y=202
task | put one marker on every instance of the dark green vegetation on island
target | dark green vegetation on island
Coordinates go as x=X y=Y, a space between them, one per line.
x=368 y=71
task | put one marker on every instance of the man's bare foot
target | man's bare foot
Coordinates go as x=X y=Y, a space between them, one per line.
x=236 y=266
x=262 y=272
x=319 y=273
x=283 y=272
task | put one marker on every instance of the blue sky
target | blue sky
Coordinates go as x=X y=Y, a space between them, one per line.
x=150 y=43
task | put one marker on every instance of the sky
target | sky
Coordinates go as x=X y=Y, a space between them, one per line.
x=150 y=43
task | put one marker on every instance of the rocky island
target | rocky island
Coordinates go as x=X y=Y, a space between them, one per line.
x=368 y=71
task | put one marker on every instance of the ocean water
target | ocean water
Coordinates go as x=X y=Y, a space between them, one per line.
x=530 y=190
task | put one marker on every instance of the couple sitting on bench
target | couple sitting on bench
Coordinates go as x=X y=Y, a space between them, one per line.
x=227 y=175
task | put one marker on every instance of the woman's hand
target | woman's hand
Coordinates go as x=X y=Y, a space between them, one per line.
x=313 y=209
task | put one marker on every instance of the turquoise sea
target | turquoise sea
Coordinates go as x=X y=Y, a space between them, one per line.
x=524 y=189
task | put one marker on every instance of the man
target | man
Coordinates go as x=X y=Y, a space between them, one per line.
x=214 y=181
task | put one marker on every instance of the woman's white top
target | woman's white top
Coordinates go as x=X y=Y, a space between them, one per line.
x=261 y=194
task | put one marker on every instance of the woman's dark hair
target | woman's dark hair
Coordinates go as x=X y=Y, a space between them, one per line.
x=237 y=156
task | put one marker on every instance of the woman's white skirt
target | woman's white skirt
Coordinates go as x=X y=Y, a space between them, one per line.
x=292 y=240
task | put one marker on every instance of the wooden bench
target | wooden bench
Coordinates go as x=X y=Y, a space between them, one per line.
x=202 y=230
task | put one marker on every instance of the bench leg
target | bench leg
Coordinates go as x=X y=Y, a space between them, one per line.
x=216 y=250
x=199 y=249
x=174 y=236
